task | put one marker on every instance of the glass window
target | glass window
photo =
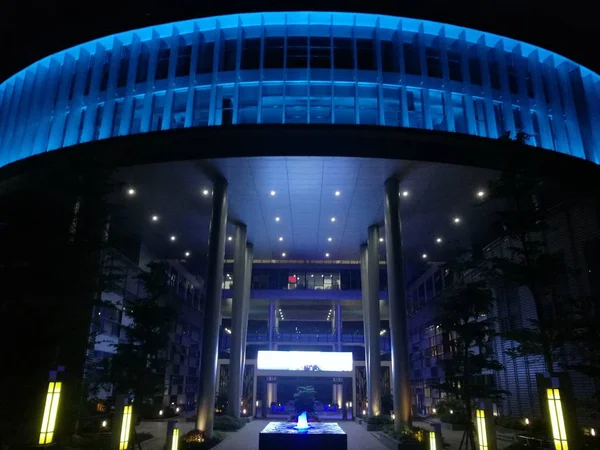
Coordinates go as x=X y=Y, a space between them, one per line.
x=158 y=108
x=475 y=69
x=552 y=131
x=141 y=73
x=272 y=103
x=205 y=58
x=392 y=110
x=81 y=124
x=513 y=84
x=517 y=118
x=535 y=124
x=368 y=101
x=434 y=64
x=123 y=67
x=344 y=103
x=494 y=69
x=88 y=76
x=248 y=107
x=184 y=59
x=437 y=110
x=116 y=120
x=546 y=86
x=320 y=103
x=105 y=70
x=297 y=52
x=454 y=66
x=320 y=52
x=98 y=121
x=480 y=117
x=162 y=63
x=136 y=114
x=458 y=110
x=273 y=53
x=229 y=55
x=499 y=116
x=412 y=62
x=250 y=54
x=296 y=103
x=414 y=100
x=201 y=107
x=389 y=57
x=529 y=86
x=343 y=53
x=179 y=108
x=365 y=54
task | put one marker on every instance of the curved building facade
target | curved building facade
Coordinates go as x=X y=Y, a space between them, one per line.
x=301 y=68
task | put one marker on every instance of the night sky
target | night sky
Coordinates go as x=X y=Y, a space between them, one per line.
x=30 y=29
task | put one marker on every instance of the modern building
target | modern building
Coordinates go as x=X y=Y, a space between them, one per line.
x=310 y=166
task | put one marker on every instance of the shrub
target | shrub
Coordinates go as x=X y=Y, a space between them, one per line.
x=227 y=423
x=408 y=435
x=455 y=418
x=379 y=420
x=304 y=399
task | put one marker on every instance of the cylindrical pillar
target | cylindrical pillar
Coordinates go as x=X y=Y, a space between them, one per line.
x=247 y=287
x=212 y=311
x=364 y=282
x=397 y=307
x=338 y=319
x=237 y=312
x=374 y=321
x=272 y=319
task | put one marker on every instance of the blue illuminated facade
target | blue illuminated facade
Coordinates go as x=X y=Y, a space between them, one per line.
x=300 y=67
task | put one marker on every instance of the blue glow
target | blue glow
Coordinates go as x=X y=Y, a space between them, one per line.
x=300 y=67
x=302 y=422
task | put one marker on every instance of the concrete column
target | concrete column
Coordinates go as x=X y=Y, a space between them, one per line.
x=247 y=287
x=237 y=313
x=397 y=308
x=271 y=322
x=212 y=312
x=374 y=321
x=338 y=319
x=365 y=306
x=334 y=390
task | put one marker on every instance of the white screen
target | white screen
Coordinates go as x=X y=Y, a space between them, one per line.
x=305 y=361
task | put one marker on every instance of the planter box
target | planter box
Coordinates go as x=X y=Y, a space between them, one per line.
x=393 y=444
x=282 y=435
x=453 y=426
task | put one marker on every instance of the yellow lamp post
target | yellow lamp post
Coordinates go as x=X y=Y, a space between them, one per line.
x=486 y=428
x=49 y=418
x=557 y=420
x=122 y=422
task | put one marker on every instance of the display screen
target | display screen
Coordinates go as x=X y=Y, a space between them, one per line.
x=305 y=361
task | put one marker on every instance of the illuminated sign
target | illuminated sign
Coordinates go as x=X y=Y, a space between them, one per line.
x=305 y=361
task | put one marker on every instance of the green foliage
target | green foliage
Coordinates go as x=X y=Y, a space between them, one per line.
x=304 y=399
x=455 y=419
x=387 y=402
x=227 y=423
x=221 y=401
x=414 y=435
x=139 y=363
x=380 y=420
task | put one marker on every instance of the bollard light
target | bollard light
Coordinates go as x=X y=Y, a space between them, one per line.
x=432 y=445
x=125 y=428
x=104 y=423
x=364 y=412
x=559 y=432
x=526 y=421
x=160 y=413
x=244 y=411
x=393 y=416
x=50 y=410
x=592 y=432
x=175 y=440
x=481 y=430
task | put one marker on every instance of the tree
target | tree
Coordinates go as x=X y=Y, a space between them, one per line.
x=464 y=315
x=139 y=363
x=304 y=399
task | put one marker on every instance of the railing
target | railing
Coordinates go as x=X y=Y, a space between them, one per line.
x=305 y=338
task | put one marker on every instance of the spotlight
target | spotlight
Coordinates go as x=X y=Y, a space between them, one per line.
x=131 y=191
x=277 y=219
x=273 y=193
x=154 y=218
x=439 y=240
x=281 y=239
x=405 y=194
x=333 y=219
x=187 y=253
x=424 y=256
x=205 y=192
x=283 y=254
x=337 y=193
x=173 y=238
x=229 y=238
x=456 y=220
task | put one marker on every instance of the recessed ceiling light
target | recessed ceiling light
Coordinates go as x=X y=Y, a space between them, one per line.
x=173 y=238
x=312 y=275
x=205 y=192
x=456 y=220
x=281 y=239
x=405 y=193
x=329 y=239
x=229 y=238
x=283 y=254
x=380 y=239
x=424 y=256
x=277 y=219
x=333 y=219
x=337 y=193
x=131 y=191
x=439 y=240
x=273 y=193
x=155 y=218
x=187 y=253
x=480 y=193
x=326 y=255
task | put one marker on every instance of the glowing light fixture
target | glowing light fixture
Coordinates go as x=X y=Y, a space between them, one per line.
x=244 y=411
x=405 y=194
x=50 y=411
x=480 y=194
x=230 y=238
x=329 y=239
x=592 y=432
x=160 y=413
x=481 y=430
x=283 y=254
x=281 y=239
x=104 y=423
x=424 y=256
x=277 y=219
x=173 y=238
x=380 y=239
x=456 y=220
x=326 y=255
x=451 y=411
x=155 y=218
x=364 y=412
x=432 y=445
x=337 y=193
x=187 y=253
x=131 y=191
x=526 y=421
x=559 y=432
x=273 y=193
x=177 y=409
x=205 y=192
x=439 y=240
x=433 y=410
x=125 y=428
x=333 y=219
x=175 y=440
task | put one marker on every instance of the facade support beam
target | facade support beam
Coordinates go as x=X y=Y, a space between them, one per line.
x=247 y=287
x=237 y=320
x=374 y=327
x=212 y=312
x=364 y=283
x=397 y=307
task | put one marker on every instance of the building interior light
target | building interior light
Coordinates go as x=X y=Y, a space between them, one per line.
x=205 y=192
x=329 y=239
x=333 y=219
x=337 y=193
x=424 y=256
x=456 y=220
x=277 y=219
x=154 y=218
x=559 y=431
x=131 y=191
x=126 y=427
x=283 y=254
x=439 y=240
x=281 y=239
x=405 y=193
x=173 y=238
x=187 y=253
x=273 y=193
x=50 y=412
x=481 y=429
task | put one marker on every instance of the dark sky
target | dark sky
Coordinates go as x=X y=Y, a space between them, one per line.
x=32 y=29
